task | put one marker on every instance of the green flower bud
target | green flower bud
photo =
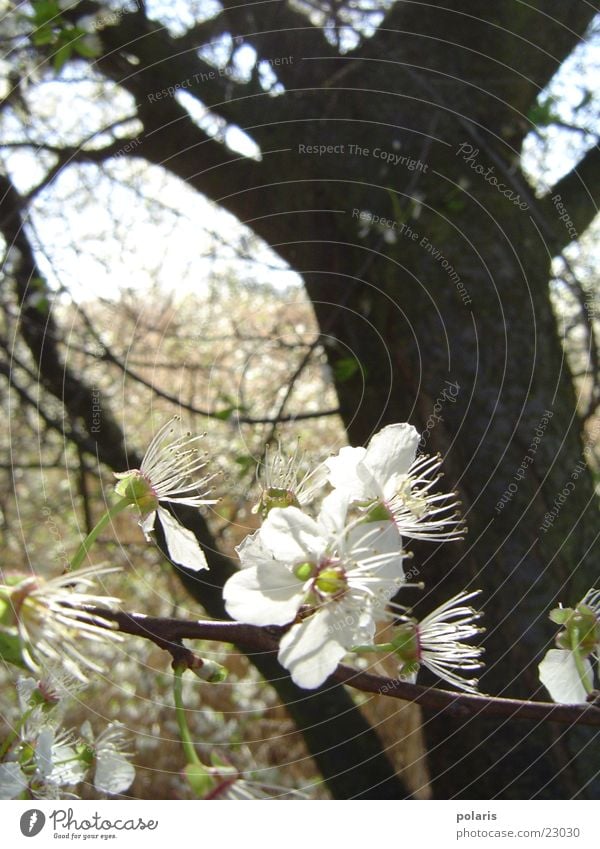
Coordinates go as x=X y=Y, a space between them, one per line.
x=136 y=487
x=209 y=670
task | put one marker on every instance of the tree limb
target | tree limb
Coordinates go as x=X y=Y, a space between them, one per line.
x=168 y=634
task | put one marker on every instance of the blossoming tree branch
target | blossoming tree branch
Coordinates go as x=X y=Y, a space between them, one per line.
x=317 y=580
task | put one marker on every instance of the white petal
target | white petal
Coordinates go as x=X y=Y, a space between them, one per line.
x=312 y=649
x=291 y=536
x=560 y=677
x=344 y=473
x=114 y=774
x=12 y=780
x=43 y=752
x=25 y=689
x=147 y=525
x=268 y=594
x=182 y=545
x=391 y=452
x=377 y=548
x=251 y=550
x=334 y=509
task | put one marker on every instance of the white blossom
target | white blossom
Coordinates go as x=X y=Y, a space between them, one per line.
x=567 y=672
x=388 y=474
x=560 y=676
x=113 y=774
x=330 y=578
x=54 y=619
x=437 y=642
x=169 y=474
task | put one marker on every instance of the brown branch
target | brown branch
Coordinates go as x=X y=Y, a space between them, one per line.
x=168 y=634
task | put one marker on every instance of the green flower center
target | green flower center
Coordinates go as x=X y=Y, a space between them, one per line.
x=274 y=497
x=137 y=488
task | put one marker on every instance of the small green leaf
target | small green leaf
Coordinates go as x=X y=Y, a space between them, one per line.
x=62 y=56
x=45 y=11
x=345 y=368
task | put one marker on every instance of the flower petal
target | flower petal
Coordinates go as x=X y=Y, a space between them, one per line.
x=251 y=550
x=114 y=774
x=12 y=780
x=559 y=675
x=268 y=594
x=147 y=525
x=344 y=473
x=312 y=649
x=391 y=452
x=334 y=509
x=376 y=547
x=291 y=537
x=182 y=545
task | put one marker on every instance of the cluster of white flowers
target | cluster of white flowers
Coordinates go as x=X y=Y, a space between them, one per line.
x=567 y=672
x=324 y=566
x=42 y=761
x=330 y=575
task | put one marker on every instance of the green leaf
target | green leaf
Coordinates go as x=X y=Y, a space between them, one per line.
x=42 y=36
x=45 y=11
x=62 y=56
x=542 y=114
x=345 y=368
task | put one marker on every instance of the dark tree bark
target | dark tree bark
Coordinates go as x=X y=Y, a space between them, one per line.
x=451 y=287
